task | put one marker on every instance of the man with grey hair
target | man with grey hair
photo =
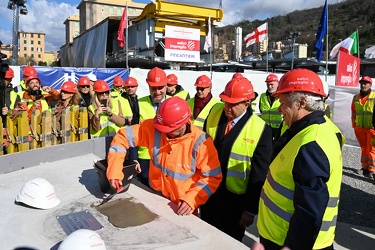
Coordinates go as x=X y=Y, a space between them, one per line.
x=298 y=207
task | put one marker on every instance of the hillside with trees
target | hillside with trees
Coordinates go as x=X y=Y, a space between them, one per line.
x=343 y=19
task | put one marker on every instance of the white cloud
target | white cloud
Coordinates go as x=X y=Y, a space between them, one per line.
x=48 y=16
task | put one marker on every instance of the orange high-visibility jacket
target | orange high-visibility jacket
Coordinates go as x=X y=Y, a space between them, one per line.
x=185 y=168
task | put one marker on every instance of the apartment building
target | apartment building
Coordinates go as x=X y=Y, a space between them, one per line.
x=92 y=12
x=31 y=44
x=71 y=28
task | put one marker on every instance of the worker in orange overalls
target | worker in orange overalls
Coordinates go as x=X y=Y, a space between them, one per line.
x=184 y=164
x=363 y=123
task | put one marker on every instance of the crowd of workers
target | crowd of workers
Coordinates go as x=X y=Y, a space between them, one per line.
x=216 y=158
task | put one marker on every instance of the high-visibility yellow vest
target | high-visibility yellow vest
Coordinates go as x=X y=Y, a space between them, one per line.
x=239 y=163
x=125 y=105
x=13 y=99
x=201 y=118
x=363 y=113
x=183 y=94
x=276 y=205
x=107 y=127
x=146 y=111
x=270 y=114
x=43 y=102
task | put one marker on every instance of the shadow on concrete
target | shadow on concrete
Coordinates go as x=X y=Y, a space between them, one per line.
x=356 y=209
x=89 y=179
x=357 y=174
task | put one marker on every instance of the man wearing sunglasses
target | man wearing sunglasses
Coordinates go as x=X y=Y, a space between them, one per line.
x=202 y=102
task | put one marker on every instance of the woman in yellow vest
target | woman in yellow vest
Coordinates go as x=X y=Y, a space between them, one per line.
x=299 y=201
x=106 y=116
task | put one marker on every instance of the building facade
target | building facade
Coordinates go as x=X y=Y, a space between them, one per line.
x=31 y=45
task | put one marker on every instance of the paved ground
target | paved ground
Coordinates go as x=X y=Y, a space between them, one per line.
x=356 y=220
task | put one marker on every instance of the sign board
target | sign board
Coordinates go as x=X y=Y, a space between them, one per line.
x=182 y=44
x=347 y=73
x=80 y=220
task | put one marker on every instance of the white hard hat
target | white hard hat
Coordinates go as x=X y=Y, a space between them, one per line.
x=92 y=77
x=82 y=239
x=38 y=193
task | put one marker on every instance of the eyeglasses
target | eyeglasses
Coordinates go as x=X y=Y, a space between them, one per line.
x=104 y=93
x=157 y=88
x=363 y=83
x=65 y=92
x=200 y=89
x=85 y=87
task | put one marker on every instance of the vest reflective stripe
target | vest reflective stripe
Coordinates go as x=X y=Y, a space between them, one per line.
x=107 y=127
x=117 y=149
x=363 y=113
x=239 y=162
x=201 y=118
x=276 y=205
x=125 y=105
x=206 y=188
x=270 y=114
x=180 y=176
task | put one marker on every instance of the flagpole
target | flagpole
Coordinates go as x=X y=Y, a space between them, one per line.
x=126 y=40
x=326 y=73
x=210 y=48
x=358 y=43
x=267 y=50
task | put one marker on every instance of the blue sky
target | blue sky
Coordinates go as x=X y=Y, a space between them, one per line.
x=48 y=16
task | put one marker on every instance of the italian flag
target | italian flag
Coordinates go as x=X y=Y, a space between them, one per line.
x=349 y=45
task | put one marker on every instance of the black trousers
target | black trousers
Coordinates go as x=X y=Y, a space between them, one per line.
x=269 y=245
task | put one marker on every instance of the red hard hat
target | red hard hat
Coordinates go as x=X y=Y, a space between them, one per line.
x=118 y=82
x=203 y=81
x=29 y=71
x=272 y=78
x=9 y=74
x=366 y=79
x=156 y=77
x=84 y=81
x=69 y=86
x=172 y=79
x=131 y=82
x=300 y=80
x=101 y=86
x=237 y=76
x=238 y=90
x=28 y=79
x=173 y=113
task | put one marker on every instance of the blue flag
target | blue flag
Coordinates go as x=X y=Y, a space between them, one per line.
x=321 y=33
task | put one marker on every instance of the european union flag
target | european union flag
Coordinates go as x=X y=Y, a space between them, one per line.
x=322 y=31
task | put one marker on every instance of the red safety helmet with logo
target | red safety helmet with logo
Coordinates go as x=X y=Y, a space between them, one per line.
x=29 y=71
x=101 y=86
x=366 y=79
x=69 y=86
x=118 y=82
x=28 y=79
x=238 y=90
x=173 y=113
x=237 y=76
x=9 y=74
x=172 y=79
x=272 y=78
x=84 y=81
x=131 y=82
x=156 y=77
x=300 y=80
x=203 y=81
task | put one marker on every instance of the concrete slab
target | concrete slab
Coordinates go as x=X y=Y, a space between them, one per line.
x=76 y=185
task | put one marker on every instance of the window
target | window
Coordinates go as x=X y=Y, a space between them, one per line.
x=39 y=56
x=38 y=42
x=23 y=35
x=38 y=35
x=32 y=35
x=119 y=11
x=110 y=9
x=102 y=8
x=32 y=48
x=24 y=41
x=32 y=42
x=25 y=55
x=75 y=34
x=32 y=55
x=76 y=25
x=24 y=48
